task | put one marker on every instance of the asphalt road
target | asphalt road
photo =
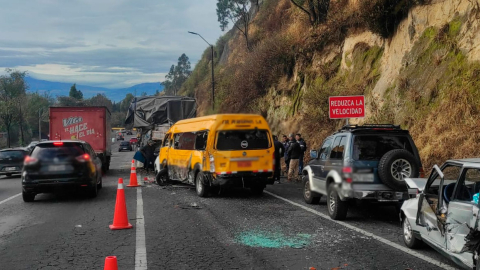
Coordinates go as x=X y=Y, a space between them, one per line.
x=234 y=230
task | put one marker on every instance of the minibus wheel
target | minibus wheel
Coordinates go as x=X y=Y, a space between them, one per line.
x=201 y=188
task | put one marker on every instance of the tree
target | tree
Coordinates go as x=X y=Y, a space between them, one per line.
x=63 y=101
x=100 y=100
x=177 y=75
x=125 y=103
x=316 y=10
x=74 y=93
x=237 y=12
x=12 y=92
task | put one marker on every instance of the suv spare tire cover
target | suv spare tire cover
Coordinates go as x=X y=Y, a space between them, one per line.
x=390 y=162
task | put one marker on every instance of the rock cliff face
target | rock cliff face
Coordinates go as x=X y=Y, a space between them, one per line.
x=424 y=76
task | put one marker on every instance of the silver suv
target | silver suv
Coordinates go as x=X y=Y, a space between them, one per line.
x=366 y=162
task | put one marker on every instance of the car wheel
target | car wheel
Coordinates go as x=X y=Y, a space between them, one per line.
x=28 y=197
x=308 y=195
x=410 y=240
x=396 y=165
x=100 y=185
x=162 y=177
x=337 y=209
x=201 y=188
x=257 y=190
x=93 y=191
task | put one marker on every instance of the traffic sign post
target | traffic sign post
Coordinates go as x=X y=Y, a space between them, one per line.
x=345 y=107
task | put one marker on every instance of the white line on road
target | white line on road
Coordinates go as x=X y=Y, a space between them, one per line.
x=141 y=249
x=8 y=199
x=369 y=234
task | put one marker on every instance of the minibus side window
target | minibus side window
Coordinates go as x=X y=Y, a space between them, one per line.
x=185 y=141
x=166 y=140
x=201 y=140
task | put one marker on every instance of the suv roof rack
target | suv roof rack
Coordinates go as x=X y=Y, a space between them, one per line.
x=370 y=126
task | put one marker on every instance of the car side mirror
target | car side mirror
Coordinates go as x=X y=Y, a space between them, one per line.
x=313 y=154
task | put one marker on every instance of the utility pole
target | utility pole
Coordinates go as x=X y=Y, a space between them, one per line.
x=213 y=79
x=40 y=125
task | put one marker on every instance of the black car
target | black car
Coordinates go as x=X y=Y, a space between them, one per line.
x=125 y=146
x=11 y=161
x=367 y=162
x=60 y=165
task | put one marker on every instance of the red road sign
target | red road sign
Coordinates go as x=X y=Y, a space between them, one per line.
x=346 y=107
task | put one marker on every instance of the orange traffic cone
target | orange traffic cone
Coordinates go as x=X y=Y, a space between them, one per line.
x=133 y=176
x=111 y=263
x=120 y=219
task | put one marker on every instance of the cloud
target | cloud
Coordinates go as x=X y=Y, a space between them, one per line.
x=110 y=43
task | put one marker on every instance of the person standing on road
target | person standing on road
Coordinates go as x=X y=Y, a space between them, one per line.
x=303 y=147
x=279 y=150
x=286 y=145
x=294 y=153
x=148 y=152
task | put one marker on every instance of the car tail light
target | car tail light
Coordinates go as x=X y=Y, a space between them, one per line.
x=83 y=158
x=347 y=174
x=29 y=160
x=58 y=143
x=212 y=164
x=422 y=172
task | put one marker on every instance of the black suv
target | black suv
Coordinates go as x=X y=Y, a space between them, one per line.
x=59 y=165
x=361 y=162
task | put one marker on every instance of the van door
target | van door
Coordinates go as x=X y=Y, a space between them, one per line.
x=184 y=149
x=163 y=156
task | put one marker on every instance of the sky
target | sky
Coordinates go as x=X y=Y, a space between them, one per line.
x=107 y=43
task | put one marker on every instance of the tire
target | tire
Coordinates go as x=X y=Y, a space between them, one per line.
x=162 y=177
x=337 y=209
x=410 y=240
x=28 y=197
x=93 y=191
x=396 y=165
x=308 y=195
x=257 y=191
x=100 y=185
x=200 y=187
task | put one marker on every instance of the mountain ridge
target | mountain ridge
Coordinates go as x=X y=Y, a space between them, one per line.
x=114 y=94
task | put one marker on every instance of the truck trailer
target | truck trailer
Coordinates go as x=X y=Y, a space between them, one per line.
x=89 y=124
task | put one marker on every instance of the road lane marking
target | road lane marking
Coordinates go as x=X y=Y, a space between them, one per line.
x=8 y=199
x=140 y=249
x=369 y=234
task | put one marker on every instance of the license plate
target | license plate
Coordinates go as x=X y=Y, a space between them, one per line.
x=11 y=169
x=57 y=168
x=244 y=164
x=363 y=177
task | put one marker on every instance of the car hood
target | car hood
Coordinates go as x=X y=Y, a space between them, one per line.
x=418 y=183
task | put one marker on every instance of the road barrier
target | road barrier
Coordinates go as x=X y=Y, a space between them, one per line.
x=133 y=176
x=120 y=218
x=111 y=263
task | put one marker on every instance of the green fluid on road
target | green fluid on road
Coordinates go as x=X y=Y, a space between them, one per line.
x=267 y=239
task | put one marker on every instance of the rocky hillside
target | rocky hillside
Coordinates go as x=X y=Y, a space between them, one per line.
x=416 y=61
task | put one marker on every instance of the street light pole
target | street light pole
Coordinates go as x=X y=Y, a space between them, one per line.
x=40 y=125
x=213 y=78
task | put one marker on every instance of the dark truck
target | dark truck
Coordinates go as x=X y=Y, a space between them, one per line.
x=366 y=162
x=89 y=124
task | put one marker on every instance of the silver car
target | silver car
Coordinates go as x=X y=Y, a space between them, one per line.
x=443 y=211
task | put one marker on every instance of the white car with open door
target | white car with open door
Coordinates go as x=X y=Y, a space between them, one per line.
x=444 y=211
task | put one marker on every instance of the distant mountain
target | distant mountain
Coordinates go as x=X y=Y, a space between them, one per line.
x=115 y=94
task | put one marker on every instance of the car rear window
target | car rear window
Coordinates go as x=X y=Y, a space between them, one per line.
x=124 y=143
x=374 y=147
x=50 y=151
x=243 y=139
x=12 y=155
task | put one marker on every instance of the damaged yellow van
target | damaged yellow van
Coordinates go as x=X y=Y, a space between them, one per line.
x=218 y=151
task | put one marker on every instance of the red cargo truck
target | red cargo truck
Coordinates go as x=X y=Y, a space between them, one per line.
x=90 y=124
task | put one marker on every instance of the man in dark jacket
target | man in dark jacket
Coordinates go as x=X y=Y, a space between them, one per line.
x=303 y=146
x=294 y=154
x=286 y=144
x=148 y=152
x=279 y=150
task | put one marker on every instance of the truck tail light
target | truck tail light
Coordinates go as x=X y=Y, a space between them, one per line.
x=347 y=174
x=212 y=164
x=422 y=172
x=29 y=160
x=84 y=158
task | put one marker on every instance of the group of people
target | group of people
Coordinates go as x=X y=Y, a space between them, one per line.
x=289 y=154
